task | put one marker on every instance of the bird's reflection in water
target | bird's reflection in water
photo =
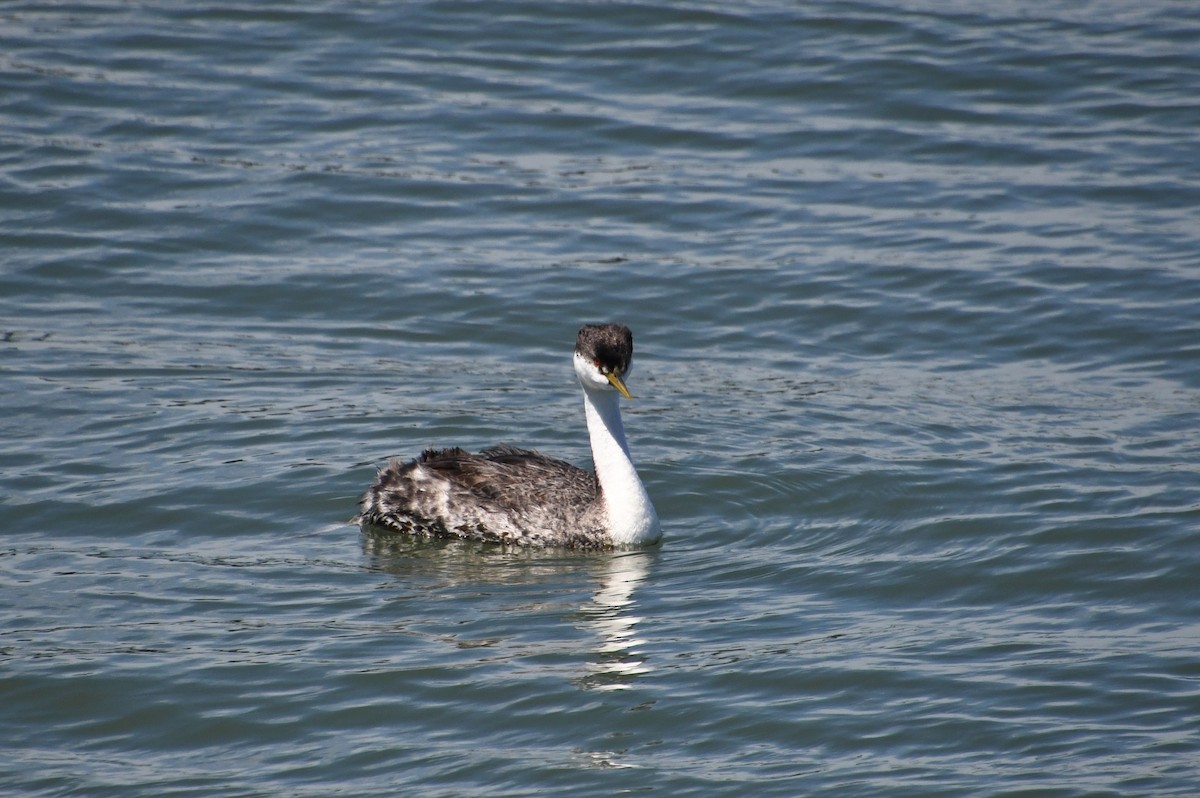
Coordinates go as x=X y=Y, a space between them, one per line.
x=518 y=584
x=612 y=615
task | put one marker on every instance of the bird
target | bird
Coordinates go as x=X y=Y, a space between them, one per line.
x=520 y=497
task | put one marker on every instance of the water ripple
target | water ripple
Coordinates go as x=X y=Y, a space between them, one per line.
x=916 y=396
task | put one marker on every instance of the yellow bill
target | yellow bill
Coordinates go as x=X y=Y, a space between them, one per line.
x=620 y=386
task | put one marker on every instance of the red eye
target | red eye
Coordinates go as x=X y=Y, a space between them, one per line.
x=596 y=362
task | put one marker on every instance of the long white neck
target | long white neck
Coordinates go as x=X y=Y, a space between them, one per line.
x=631 y=516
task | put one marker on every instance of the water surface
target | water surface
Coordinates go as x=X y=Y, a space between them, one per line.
x=914 y=291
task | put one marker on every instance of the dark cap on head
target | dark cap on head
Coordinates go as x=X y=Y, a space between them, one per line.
x=611 y=344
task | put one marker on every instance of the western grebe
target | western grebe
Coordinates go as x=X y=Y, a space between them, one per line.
x=517 y=496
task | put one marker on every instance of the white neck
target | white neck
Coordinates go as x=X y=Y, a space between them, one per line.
x=631 y=516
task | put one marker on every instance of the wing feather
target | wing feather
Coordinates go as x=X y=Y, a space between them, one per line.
x=503 y=494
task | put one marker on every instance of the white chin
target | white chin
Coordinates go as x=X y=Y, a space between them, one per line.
x=590 y=376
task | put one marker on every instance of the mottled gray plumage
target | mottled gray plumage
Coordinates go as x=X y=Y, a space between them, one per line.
x=501 y=495
x=516 y=496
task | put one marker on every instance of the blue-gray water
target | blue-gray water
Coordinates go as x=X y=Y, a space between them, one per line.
x=916 y=296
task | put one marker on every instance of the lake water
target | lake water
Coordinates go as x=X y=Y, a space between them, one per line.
x=916 y=295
